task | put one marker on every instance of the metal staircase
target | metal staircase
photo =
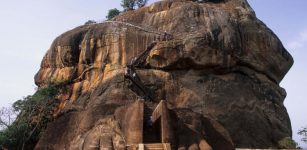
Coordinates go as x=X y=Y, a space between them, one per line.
x=131 y=73
x=135 y=80
x=141 y=58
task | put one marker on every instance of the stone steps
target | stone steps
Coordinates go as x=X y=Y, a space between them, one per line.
x=151 y=146
x=156 y=146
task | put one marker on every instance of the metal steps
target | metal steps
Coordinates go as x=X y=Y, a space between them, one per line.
x=141 y=58
x=138 y=83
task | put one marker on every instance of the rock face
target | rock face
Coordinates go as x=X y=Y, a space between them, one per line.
x=218 y=72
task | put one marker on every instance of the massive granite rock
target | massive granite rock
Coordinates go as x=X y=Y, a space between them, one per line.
x=218 y=73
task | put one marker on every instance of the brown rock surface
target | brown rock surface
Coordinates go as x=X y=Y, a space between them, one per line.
x=219 y=75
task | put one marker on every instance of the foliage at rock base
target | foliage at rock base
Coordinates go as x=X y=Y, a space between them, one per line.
x=287 y=143
x=34 y=112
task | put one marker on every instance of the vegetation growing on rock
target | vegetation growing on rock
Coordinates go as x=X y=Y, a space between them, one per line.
x=112 y=13
x=90 y=22
x=131 y=4
x=287 y=143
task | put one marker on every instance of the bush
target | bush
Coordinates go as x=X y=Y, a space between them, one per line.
x=90 y=22
x=287 y=143
x=130 y=4
x=141 y=3
x=34 y=113
x=112 y=13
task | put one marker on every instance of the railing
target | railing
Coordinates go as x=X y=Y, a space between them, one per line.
x=135 y=26
x=142 y=57
x=129 y=24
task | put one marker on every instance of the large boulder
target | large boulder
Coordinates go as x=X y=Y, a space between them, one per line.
x=219 y=73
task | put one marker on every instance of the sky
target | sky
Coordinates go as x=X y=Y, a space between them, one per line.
x=28 y=28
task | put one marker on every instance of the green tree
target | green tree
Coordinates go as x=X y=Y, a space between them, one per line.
x=112 y=13
x=303 y=132
x=128 y=4
x=34 y=112
x=141 y=3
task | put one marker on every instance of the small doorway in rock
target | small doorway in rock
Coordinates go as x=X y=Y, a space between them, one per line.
x=152 y=132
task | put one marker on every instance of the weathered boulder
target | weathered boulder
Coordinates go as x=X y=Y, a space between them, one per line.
x=219 y=73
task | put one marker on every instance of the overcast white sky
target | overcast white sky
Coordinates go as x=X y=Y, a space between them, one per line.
x=28 y=27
